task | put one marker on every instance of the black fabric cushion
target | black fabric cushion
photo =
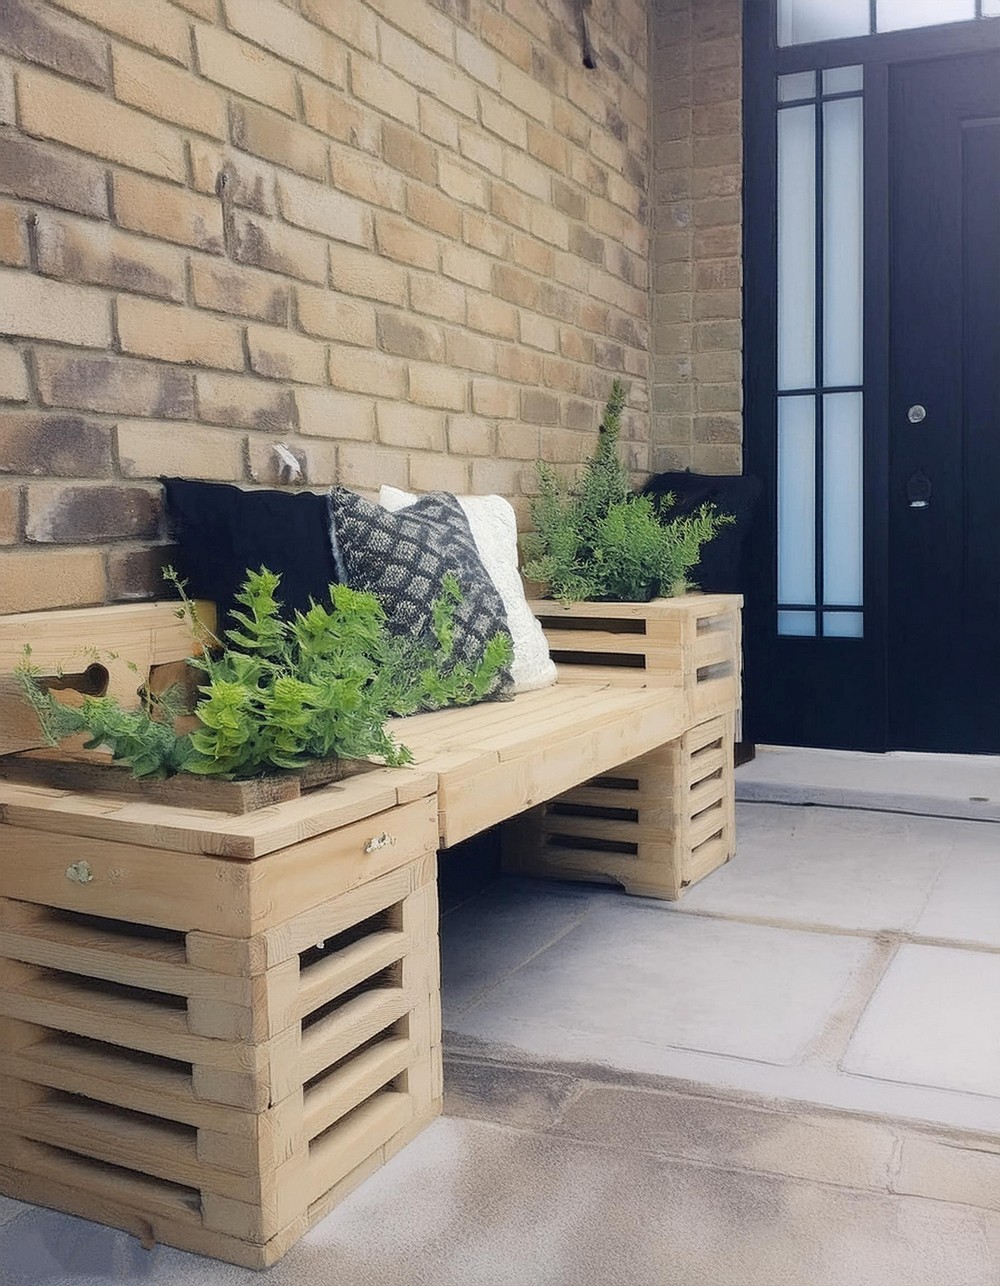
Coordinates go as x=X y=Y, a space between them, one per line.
x=222 y=532
x=402 y=558
x=722 y=569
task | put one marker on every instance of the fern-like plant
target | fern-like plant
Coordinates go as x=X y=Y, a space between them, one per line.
x=281 y=694
x=596 y=539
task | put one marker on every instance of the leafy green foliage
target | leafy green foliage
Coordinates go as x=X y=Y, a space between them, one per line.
x=284 y=693
x=595 y=539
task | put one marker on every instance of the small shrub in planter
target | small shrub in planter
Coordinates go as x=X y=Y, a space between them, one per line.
x=280 y=694
x=595 y=539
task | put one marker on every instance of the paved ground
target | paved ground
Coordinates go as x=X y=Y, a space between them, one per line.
x=792 y=1078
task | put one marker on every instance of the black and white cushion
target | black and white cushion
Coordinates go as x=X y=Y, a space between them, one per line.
x=402 y=558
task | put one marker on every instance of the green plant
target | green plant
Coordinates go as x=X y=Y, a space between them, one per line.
x=596 y=539
x=283 y=693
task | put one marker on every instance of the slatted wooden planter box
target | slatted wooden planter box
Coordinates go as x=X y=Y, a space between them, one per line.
x=654 y=826
x=690 y=643
x=213 y=1027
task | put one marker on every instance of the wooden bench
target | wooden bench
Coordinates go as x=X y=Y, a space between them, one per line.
x=213 y=1026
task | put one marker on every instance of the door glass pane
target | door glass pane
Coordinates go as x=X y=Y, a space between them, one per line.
x=802 y=21
x=843 y=223
x=991 y=7
x=797 y=500
x=843 y=625
x=801 y=84
x=895 y=15
x=843 y=475
x=797 y=247
x=842 y=80
x=798 y=624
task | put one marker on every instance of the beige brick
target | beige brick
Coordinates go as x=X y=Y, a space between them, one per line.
x=483 y=233
x=13 y=375
x=549 y=147
x=245 y=403
x=167 y=92
x=427 y=71
x=333 y=113
x=200 y=8
x=438 y=473
x=510 y=206
x=405 y=243
x=467 y=266
x=496 y=477
x=366 y=178
x=500 y=118
x=362 y=371
x=272 y=137
x=328 y=413
x=329 y=315
x=436 y=297
x=231 y=62
x=479 y=61
x=408 y=337
x=515 y=286
x=356 y=272
x=170 y=213
x=265 y=243
x=225 y=287
x=507 y=38
x=518 y=442
x=32 y=580
x=8 y=98
x=481 y=149
x=366 y=467
x=531 y=97
x=384 y=91
x=40 y=309
x=10 y=517
x=463 y=184
x=402 y=425
x=97 y=254
x=243 y=180
x=318 y=208
x=438 y=123
x=354 y=24
x=539 y=332
x=471 y=352
x=107 y=382
x=13 y=236
x=406 y=151
x=438 y=386
x=275 y=27
x=716 y=459
x=55 y=109
x=470 y=436
x=423 y=23
x=158 y=448
x=492 y=316
x=528 y=175
x=172 y=334
x=153 y=24
x=495 y=399
x=32 y=32
x=283 y=355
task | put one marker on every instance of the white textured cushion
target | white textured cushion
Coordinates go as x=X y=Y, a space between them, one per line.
x=494 y=529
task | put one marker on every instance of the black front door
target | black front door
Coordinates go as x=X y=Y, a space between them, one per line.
x=943 y=662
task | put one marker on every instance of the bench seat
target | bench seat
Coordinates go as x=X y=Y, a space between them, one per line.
x=495 y=760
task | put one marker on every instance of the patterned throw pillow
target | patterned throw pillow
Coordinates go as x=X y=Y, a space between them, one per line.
x=402 y=559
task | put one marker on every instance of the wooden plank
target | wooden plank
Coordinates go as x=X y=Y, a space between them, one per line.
x=346 y=1088
x=347 y=968
x=334 y=1154
x=357 y=1021
x=694 y=604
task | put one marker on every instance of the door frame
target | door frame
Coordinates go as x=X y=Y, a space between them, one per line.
x=763 y=63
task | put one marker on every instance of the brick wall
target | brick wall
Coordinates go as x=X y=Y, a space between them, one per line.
x=407 y=238
x=697 y=128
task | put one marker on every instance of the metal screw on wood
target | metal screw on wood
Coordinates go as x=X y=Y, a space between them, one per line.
x=79 y=873
x=385 y=840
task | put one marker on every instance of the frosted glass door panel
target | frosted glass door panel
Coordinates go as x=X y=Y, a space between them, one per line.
x=843 y=473
x=797 y=500
x=843 y=625
x=803 y=21
x=801 y=84
x=797 y=247
x=843 y=80
x=899 y=15
x=843 y=225
x=797 y=624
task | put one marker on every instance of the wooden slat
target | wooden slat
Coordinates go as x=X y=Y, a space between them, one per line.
x=339 y=972
x=356 y=1021
x=343 y=1090
x=334 y=1154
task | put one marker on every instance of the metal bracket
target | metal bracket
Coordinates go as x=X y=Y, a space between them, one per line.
x=589 y=57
